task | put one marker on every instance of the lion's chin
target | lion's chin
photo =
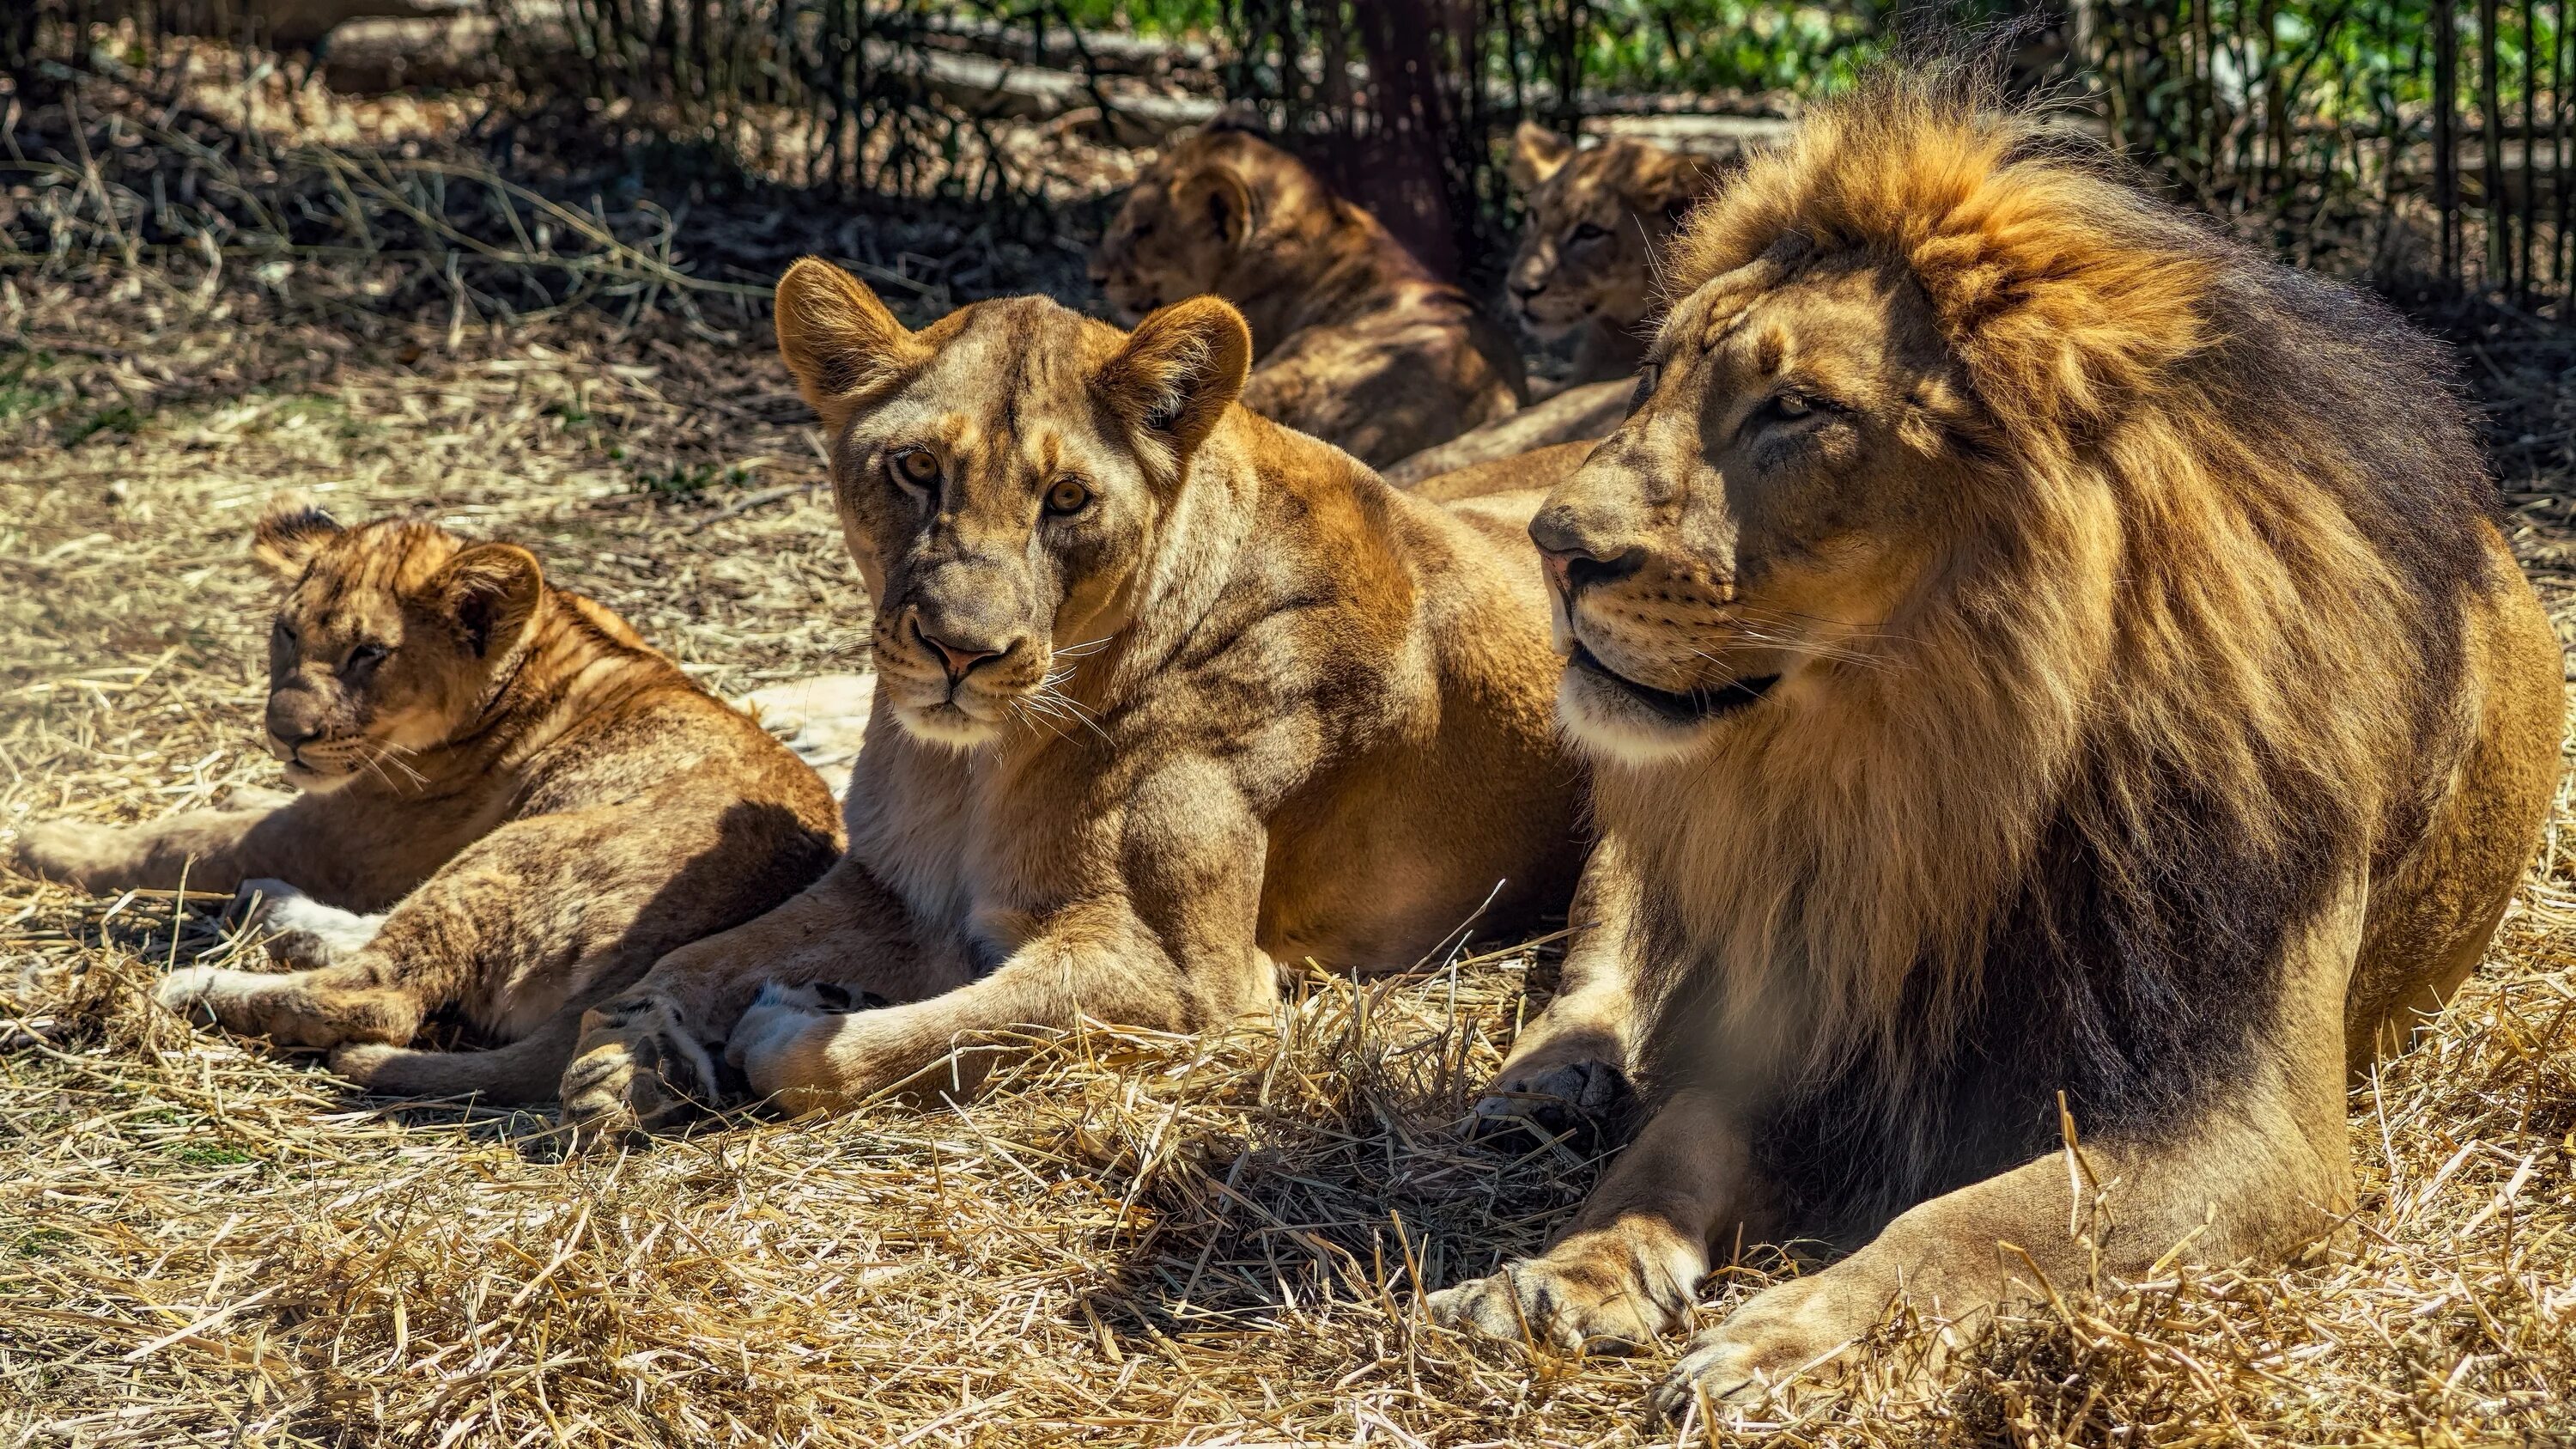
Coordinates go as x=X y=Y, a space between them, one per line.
x=946 y=725
x=311 y=781
x=1620 y=720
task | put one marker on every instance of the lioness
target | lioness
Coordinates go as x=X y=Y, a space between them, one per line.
x=545 y=804
x=1167 y=693
x=2038 y=658
x=1354 y=340
x=1585 y=268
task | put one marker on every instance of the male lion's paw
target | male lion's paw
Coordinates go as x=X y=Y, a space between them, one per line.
x=1588 y=1104
x=637 y=1070
x=1784 y=1331
x=1566 y=1305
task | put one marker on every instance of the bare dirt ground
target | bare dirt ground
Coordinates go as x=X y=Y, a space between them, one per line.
x=1136 y=1240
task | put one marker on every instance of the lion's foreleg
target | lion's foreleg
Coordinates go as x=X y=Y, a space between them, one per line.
x=2262 y=1169
x=206 y=849
x=1628 y=1267
x=646 y=1059
x=1567 y=1068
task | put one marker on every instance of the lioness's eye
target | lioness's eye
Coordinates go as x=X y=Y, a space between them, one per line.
x=1590 y=231
x=1067 y=496
x=916 y=467
x=1647 y=377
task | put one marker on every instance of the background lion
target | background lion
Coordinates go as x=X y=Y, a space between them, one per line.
x=1353 y=339
x=1584 y=270
x=539 y=804
x=1167 y=693
x=2050 y=672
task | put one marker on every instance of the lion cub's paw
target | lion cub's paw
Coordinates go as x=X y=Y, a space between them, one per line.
x=1588 y=1104
x=189 y=991
x=301 y=929
x=777 y=1041
x=637 y=1070
x=1589 y=1302
x=58 y=850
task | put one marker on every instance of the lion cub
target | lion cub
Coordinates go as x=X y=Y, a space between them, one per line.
x=1167 y=693
x=545 y=804
x=1354 y=340
x=1597 y=220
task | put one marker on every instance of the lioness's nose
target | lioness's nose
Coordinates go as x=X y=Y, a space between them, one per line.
x=1527 y=290
x=1577 y=558
x=957 y=658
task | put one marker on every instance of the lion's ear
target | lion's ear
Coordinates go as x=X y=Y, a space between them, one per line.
x=491 y=590
x=1537 y=154
x=1229 y=207
x=288 y=534
x=1181 y=369
x=838 y=339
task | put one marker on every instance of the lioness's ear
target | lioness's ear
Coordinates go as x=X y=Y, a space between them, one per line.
x=1537 y=154
x=838 y=339
x=491 y=590
x=1180 y=370
x=288 y=534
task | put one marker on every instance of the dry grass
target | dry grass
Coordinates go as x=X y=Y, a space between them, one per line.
x=1137 y=1240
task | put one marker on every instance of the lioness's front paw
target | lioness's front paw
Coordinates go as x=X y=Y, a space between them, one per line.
x=1586 y=1103
x=1782 y=1332
x=637 y=1070
x=1583 y=1302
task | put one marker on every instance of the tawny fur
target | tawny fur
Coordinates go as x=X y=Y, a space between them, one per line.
x=538 y=804
x=2033 y=651
x=1354 y=340
x=1167 y=694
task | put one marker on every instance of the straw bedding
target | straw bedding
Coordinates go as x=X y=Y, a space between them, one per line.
x=1135 y=1240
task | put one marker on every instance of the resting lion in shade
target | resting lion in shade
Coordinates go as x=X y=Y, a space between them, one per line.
x=1354 y=340
x=2049 y=671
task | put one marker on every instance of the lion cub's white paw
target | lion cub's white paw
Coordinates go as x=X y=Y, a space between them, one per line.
x=300 y=928
x=185 y=991
x=778 y=1016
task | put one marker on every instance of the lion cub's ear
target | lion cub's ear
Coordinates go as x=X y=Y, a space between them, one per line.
x=288 y=534
x=1181 y=369
x=1537 y=154
x=491 y=591
x=839 y=340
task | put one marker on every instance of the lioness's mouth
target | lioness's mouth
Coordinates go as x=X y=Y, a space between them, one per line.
x=1693 y=707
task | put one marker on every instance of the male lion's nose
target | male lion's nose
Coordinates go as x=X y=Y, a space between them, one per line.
x=956 y=658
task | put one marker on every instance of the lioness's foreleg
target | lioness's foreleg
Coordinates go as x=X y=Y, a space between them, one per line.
x=646 y=1057
x=1167 y=940
x=1627 y=1268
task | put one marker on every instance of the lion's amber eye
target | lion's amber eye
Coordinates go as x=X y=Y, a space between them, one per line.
x=916 y=467
x=1067 y=496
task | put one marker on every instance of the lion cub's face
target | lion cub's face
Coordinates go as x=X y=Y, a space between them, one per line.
x=1595 y=222
x=387 y=642
x=1182 y=224
x=1777 y=493
x=1004 y=479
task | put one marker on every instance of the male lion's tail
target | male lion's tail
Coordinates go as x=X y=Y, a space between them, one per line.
x=526 y=1070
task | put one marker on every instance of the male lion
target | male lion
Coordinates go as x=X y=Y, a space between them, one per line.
x=545 y=804
x=2033 y=652
x=1354 y=340
x=1585 y=269
x=1167 y=693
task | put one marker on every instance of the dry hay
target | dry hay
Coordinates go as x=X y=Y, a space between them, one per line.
x=1136 y=1240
